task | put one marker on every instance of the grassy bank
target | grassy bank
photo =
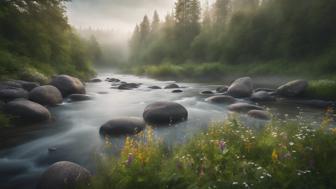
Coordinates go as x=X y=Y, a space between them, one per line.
x=322 y=83
x=283 y=154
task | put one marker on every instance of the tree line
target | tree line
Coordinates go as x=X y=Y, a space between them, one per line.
x=238 y=32
x=35 y=35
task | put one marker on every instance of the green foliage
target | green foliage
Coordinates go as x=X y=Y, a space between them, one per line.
x=296 y=33
x=283 y=154
x=35 y=38
x=322 y=89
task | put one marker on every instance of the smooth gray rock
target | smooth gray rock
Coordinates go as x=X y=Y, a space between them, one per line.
x=27 y=111
x=164 y=113
x=241 y=88
x=122 y=126
x=79 y=97
x=221 y=99
x=207 y=93
x=112 y=80
x=177 y=91
x=46 y=95
x=28 y=86
x=63 y=175
x=262 y=96
x=155 y=87
x=95 y=80
x=68 y=85
x=172 y=86
x=259 y=114
x=242 y=107
x=128 y=86
x=9 y=94
x=293 y=88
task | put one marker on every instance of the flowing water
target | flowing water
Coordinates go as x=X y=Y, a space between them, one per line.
x=74 y=133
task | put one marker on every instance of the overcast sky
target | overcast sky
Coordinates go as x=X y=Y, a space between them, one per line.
x=120 y=15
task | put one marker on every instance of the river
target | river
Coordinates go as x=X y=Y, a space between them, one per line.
x=73 y=135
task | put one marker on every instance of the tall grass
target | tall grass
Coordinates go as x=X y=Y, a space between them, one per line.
x=283 y=154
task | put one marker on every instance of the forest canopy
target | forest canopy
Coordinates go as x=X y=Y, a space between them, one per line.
x=240 y=32
x=37 y=41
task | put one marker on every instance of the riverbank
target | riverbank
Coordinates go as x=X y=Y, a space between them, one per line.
x=321 y=85
x=281 y=154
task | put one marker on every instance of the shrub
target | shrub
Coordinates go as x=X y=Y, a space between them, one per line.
x=322 y=89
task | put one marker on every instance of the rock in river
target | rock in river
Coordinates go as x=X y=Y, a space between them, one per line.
x=154 y=87
x=79 y=97
x=241 y=88
x=27 y=111
x=207 y=93
x=46 y=95
x=262 y=96
x=172 y=86
x=95 y=80
x=293 y=88
x=122 y=126
x=128 y=86
x=243 y=107
x=9 y=94
x=68 y=85
x=259 y=114
x=177 y=91
x=221 y=99
x=63 y=175
x=164 y=113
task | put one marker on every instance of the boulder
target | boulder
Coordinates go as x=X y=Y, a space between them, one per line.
x=9 y=94
x=164 y=113
x=122 y=126
x=243 y=107
x=177 y=91
x=128 y=86
x=68 y=85
x=28 y=86
x=222 y=89
x=259 y=114
x=241 y=88
x=46 y=95
x=79 y=97
x=63 y=175
x=172 y=86
x=113 y=80
x=262 y=96
x=293 y=88
x=95 y=80
x=27 y=111
x=221 y=99
x=155 y=87
x=207 y=93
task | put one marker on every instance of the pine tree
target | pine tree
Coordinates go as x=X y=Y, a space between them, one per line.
x=144 y=29
x=156 y=22
x=222 y=10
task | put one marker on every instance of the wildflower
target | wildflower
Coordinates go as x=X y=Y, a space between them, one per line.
x=234 y=183
x=222 y=145
x=262 y=177
x=291 y=143
x=275 y=156
x=129 y=159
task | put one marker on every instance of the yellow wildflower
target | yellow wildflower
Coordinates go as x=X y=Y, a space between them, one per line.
x=275 y=156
